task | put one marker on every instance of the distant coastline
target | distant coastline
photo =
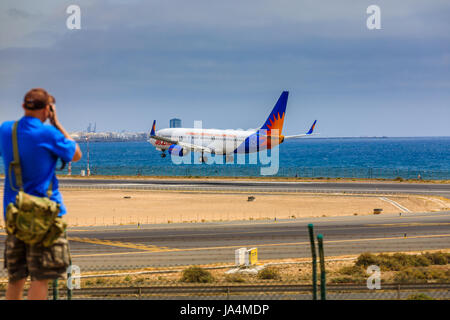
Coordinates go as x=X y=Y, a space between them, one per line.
x=109 y=136
x=144 y=136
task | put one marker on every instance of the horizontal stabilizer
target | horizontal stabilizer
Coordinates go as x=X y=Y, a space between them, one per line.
x=310 y=132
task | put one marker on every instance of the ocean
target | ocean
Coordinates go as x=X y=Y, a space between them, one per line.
x=408 y=158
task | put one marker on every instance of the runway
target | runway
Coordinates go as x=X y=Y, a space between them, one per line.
x=261 y=186
x=130 y=247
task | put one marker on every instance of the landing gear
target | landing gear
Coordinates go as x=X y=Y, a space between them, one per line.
x=163 y=155
x=203 y=159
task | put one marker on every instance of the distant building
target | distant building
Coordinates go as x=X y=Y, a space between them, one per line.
x=175 y=123
x=91 y=129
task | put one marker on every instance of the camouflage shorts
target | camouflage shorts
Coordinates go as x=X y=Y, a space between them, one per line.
x=37 y=261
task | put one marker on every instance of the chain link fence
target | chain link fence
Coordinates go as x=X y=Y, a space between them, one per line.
x=255 y=171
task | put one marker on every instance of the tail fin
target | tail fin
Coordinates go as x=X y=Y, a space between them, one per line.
x=312 y=127
x=276 y=117
x=152 y=132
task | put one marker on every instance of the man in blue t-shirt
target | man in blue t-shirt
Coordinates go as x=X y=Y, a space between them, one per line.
x=40 y=145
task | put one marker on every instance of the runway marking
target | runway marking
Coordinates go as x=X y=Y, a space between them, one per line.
x=409 y=224
x=264 y=245
x=395 y=204
x=150 y=248
x=437 y=201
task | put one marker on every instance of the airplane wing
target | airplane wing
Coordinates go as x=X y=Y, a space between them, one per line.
x=309 y=133
x=189 y=146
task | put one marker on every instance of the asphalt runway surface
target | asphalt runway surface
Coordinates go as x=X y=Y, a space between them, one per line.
x=261 y=186
x=132 y=246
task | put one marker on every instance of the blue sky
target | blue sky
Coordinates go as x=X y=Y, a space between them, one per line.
x=226 y=63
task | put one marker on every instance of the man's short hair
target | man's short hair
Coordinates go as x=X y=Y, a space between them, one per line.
x=36 y=99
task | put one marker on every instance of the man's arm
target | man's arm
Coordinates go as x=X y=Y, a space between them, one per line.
x=55 y=122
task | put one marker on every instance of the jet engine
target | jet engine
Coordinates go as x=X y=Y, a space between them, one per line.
x=178 y=151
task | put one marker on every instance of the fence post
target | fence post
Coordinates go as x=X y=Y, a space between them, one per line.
x=55 y=289
x=69 y=288
x=314 y=260
x=323 y=293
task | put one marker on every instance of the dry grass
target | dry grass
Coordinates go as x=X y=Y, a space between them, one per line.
x=115 y=207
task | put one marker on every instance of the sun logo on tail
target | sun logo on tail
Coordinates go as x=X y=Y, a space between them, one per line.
x=276 y=123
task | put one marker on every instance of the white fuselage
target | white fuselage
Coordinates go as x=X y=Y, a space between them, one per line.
x=221 y=141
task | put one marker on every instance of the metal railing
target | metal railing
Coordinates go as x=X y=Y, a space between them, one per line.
x=255 y=171
x=258 y=291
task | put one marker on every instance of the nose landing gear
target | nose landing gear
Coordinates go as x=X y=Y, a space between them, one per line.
x=203 y=159
x=163 y=155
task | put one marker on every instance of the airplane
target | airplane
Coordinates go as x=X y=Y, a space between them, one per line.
x=180 y=141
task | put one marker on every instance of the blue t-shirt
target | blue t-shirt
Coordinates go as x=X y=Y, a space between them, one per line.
x=40 y=146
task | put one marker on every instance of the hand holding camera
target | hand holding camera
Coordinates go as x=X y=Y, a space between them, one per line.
x=52 y=116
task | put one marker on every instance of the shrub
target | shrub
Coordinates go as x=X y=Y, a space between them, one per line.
x=387 y=262
x=344 y=279
x=381 y=260
x=411 y=260
x=366 y=259
x=355 y=271
x=410 y=275
x=269 y=273
x=419 y=296
x=421 y=261
x=438 y=258
x=421 y=275
x=196 y=274
x=399 y=261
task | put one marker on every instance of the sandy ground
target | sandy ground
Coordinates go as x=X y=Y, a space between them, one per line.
x=115 y=207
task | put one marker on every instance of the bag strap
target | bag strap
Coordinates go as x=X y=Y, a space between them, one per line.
x=15 y=165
